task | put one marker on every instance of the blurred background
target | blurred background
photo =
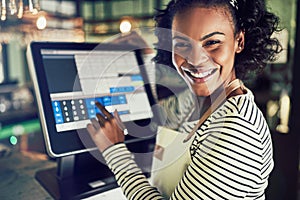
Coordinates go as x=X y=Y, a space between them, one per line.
x=23 y=21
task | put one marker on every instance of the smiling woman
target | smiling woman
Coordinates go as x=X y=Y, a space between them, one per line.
x=214 y=44
x=204 y=49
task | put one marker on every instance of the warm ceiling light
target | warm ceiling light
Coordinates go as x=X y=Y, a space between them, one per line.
x=125 y=26
x=41 y=22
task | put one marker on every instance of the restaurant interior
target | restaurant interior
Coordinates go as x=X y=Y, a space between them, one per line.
x=23 y=151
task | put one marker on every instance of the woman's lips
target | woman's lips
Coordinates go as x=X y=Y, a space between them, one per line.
x=199 y=76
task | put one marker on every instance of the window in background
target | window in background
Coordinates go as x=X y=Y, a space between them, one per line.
x=1 y=72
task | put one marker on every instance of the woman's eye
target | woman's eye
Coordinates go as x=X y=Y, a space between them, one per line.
x=182 y=45
x=182 y=49
x=211 y=42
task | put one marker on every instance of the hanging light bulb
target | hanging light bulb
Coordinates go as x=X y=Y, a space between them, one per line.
x=33 y=7
x=12 y=6
x=21 y=9
x=3 y=10
x=30 y=5
x=18 y=8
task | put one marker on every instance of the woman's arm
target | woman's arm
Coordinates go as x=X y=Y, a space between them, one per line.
x=128 y=175
x=107 y=133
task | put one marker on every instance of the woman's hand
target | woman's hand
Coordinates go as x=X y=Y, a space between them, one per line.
x=107 y=130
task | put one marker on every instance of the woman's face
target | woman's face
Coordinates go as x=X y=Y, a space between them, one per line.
x=204 y=47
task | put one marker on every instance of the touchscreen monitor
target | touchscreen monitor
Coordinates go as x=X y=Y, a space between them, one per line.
x=69 y=78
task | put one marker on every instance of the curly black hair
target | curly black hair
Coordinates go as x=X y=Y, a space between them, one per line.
x=250 y=16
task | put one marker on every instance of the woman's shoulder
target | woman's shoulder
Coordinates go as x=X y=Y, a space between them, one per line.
x=240 y=104
x=240 y=110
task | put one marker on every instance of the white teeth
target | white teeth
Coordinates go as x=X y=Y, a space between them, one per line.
x=201 y=74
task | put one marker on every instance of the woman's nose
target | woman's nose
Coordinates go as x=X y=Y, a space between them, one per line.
x=197 y=56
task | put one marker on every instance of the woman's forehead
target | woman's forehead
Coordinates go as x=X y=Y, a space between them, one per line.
x=201 y=20
x=221 y=10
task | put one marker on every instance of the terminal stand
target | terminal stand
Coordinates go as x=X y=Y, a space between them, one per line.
x=82 y=175
x=76 y=177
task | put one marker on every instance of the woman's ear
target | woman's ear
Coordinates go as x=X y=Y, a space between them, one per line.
x=240 y=42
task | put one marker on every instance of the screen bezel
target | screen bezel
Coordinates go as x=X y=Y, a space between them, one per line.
x=69 y=142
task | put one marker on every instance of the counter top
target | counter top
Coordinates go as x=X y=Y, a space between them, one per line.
x=17 y=171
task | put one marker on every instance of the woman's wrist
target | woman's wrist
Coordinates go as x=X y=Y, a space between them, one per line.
x=108 y=150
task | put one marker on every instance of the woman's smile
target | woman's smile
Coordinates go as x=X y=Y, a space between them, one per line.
x=199 y=75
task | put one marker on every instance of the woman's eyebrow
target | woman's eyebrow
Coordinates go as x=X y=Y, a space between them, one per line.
x=180 y=37
x=210 y=35
x=201 y=39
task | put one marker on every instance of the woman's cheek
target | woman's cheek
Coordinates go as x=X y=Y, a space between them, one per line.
x=222 y=58
x=178 y=61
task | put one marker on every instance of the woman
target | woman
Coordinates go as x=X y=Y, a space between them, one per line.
x=228 y=161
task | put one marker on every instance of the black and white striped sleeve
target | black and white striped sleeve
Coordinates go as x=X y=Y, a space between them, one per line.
x=128 y=175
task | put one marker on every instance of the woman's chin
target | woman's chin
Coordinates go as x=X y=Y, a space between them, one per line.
x=201 y=94
x=201 y=91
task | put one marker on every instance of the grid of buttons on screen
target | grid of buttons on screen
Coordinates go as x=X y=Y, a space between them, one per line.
x=81 y=109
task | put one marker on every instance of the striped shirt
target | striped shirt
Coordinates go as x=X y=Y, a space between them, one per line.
x=231 y=154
